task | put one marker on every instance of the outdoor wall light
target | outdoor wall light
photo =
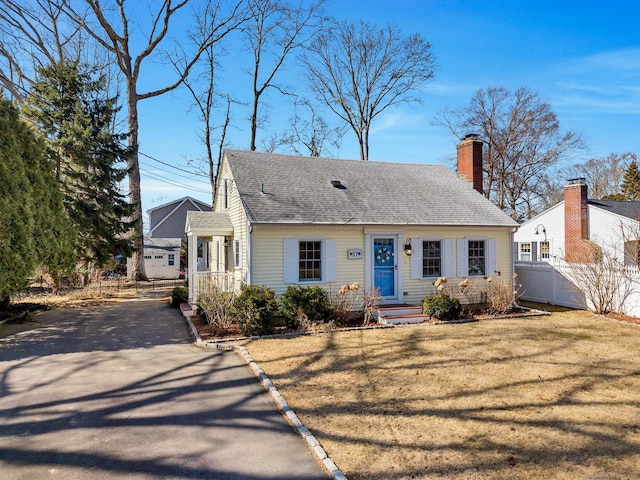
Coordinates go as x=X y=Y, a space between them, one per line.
x=544 y=230
x=407 y=248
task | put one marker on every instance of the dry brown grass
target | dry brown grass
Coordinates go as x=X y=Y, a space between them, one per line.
x=544 y=397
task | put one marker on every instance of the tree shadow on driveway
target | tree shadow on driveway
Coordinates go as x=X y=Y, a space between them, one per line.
x=119 y=392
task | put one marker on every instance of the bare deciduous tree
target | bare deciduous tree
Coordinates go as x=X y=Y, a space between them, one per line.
x=34 y=35
x=110 y=26
x=277 y=29
x=523 y=142
x=309 y=135
x=603 y=278
x=206 y=99
x=604 y=175
x=360 y=70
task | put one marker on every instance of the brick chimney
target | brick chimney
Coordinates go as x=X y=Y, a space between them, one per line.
x=470 y=160
x=576 y=221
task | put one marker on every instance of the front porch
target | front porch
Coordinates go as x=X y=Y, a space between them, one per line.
x=206 y=225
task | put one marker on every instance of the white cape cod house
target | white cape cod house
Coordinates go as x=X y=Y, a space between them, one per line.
x=283 y=220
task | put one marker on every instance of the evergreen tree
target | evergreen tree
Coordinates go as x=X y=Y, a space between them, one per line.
x=34 y=229
x=70 y=107
x=17 y=253
x=631 y=182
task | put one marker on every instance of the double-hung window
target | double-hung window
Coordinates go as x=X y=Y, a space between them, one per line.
x=431 y=258
x=525 y=251
x=545 y=251
x=477 y=257
x=237 y=253
x=308 y=260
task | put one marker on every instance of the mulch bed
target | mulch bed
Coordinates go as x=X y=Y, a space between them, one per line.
x=210 y=333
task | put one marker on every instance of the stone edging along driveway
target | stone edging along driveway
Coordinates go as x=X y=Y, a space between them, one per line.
x=284 y=407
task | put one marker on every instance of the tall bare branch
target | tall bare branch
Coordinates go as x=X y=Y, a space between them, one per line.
x=360 y=70
x=113 y=32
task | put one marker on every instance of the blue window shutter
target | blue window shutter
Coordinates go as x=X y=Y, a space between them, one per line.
x=291 y=272
x=463 y=258
x=491 y=257
x=416 y=258
x=534 y=251
x=447 y=258
x=329 y=260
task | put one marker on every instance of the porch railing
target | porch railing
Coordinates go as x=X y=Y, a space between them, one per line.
x=224 y=281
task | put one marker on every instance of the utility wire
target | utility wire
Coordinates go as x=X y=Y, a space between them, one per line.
x=172 y=166
x=154 y=168
x=175 y=184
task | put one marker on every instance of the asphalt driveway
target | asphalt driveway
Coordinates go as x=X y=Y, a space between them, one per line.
x=119 y=391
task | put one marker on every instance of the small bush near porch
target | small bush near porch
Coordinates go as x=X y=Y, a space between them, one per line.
x=542 y=397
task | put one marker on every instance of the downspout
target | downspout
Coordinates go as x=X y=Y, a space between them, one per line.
x=249 y=278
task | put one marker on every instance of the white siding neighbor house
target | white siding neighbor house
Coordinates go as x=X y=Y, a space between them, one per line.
x=548 y=246
x=557 y=233
x=282 y=220
x=163 y=241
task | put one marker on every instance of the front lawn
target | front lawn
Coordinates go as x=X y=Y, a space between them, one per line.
x=542 y=397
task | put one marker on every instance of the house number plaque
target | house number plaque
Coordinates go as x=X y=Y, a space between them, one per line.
x=354 y=253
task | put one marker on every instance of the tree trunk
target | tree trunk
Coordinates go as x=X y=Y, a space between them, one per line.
x=139 y=272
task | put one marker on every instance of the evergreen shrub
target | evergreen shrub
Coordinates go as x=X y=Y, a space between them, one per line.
x=442 y=306
x=255 y=309
x=179 y=295
x=305 y=303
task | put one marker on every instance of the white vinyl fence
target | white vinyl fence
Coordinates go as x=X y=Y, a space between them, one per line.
x=554 y=283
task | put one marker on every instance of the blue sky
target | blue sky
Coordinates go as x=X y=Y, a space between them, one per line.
x=581 y=57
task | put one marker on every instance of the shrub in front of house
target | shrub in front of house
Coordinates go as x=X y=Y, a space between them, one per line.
x=255 y=309
x=305 y=304
x=179 y=295
x=214 y=305
x=442 y=306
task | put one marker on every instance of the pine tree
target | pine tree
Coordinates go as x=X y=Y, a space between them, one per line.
x=70 y=107
x=631 y=182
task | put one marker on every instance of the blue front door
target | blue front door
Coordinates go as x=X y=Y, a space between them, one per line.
x=384 y=266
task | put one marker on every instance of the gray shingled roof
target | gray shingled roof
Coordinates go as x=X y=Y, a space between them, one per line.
x=292 y=189
x=623 y=208
x=208 y=220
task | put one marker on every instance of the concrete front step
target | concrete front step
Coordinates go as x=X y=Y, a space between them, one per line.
x=186 y=310
x=400 y=314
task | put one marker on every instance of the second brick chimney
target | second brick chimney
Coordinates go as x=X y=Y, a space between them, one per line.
x=576 y=221
x=470 y=160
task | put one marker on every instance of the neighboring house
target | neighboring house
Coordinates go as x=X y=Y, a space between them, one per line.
x=162 y=257
x=283 y=220
x=167 y=221
x=163 y=241
x=549 y=246
x=559 y=232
